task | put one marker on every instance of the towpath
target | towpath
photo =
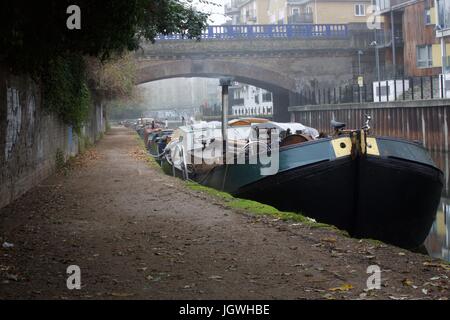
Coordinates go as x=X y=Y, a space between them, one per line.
x=136 y=233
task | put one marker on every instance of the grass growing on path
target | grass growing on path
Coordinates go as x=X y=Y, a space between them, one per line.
x=149 y=159
x=256 y=208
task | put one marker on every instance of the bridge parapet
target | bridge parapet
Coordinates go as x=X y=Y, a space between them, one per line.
x=261 y=47
x=275 y=31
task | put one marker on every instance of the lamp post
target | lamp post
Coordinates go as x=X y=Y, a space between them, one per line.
x=225 y=83
x=377 y=58
x=360 y=53
x=394 y=57
x=360 y=83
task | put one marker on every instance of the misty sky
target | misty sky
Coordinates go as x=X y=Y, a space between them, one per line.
x=216 y=9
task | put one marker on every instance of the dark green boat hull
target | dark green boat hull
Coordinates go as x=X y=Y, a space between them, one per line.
x=392 y=197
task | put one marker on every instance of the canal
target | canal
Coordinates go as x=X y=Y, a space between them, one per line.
x=438 y=242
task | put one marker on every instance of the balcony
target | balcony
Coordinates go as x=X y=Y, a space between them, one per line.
x=386 y=5
x=301 y=18
x=249 y=16
x=384 y=38
x=234 y=6
x=231 y=10
x=443 y=8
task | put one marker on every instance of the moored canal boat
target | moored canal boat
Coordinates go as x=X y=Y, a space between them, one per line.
x=157 y=140
x=373 y=187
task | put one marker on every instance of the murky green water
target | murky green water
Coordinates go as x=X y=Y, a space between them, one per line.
x=438 y=242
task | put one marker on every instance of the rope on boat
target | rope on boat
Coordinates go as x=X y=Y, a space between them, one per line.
x=269 y=148
x=183 y=165
x=182 y=155
x=157 y=156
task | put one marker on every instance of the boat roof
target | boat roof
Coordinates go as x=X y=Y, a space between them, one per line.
x=243 y=127
x=294 y=127
x=246 y=122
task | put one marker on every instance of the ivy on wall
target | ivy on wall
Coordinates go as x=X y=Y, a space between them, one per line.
x=65 y=90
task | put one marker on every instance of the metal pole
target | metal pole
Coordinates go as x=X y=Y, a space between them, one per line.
x=359 y=74
x=359 y=62
x=377 y=57
x=444 y=62
x=225 y=83
x=394 y=60
x=444 y=54
x=377 y=54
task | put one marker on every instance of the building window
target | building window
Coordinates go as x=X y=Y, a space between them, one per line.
x=427 y=16
x=295 y=11
x=424 y=56
x=267 y=97
x=360 y=10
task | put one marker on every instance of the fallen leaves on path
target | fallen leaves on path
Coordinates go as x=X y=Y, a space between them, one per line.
x=329 y=240
x=437 y=265
x=121 y=294
x=84 y=159
x=138 y=154
x=408 y=283
x=343 y=288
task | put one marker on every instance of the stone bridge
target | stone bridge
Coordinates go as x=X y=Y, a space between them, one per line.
x=284 y=64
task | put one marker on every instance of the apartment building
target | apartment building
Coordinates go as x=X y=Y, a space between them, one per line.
x=443 y=32
x=411 y=37
x=318 y=11
x=298 y=11
x=247 y=12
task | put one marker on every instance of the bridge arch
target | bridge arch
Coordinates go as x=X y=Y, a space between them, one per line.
x=280 y=85
x=212 y=68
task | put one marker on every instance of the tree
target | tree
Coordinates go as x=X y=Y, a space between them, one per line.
x=114 y=79
x=32 y=33
x=35 y=40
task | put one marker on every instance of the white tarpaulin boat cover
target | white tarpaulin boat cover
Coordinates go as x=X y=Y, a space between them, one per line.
x=293 y=127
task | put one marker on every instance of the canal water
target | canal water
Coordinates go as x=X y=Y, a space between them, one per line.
x=438 y=242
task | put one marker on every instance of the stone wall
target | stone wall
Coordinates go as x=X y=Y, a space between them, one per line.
x=30 y=137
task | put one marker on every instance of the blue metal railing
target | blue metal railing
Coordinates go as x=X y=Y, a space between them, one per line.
x=268 y=31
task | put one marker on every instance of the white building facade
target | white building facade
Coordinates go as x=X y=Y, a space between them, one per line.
x=251 y=101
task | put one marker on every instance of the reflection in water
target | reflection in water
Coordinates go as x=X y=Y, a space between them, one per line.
x=438 y=242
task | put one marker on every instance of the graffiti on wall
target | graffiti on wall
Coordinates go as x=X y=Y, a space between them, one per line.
x=13 y=121
x=31 y=111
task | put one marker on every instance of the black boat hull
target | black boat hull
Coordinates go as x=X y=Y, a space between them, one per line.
x=410 y=193
x=374 y=198
x=321 y=191
x=390 y=193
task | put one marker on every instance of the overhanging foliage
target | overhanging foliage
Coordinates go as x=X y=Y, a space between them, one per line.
x=35 y=40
